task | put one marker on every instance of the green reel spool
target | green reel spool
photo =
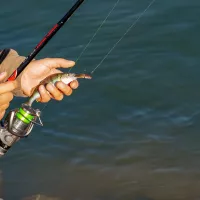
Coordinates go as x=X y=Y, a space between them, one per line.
x=24 y=116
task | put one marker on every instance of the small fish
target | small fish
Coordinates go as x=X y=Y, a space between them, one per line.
x=64 y=77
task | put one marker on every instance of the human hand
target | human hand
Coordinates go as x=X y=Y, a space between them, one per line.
x=6 y=94
x=38 y=70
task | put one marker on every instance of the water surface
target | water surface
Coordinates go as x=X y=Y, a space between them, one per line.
x=132 y=132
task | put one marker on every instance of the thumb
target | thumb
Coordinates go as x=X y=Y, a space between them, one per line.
x=53 y=63
x=2 y=76
x=6 y=86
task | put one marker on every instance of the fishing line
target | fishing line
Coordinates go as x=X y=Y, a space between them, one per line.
x=128 y=30
x=96 y=32
x=44 y=107
x=45 y=40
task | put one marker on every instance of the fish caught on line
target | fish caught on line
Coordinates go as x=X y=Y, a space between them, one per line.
x=64 y=77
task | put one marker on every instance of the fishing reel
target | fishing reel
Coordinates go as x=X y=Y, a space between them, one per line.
x=17 y=124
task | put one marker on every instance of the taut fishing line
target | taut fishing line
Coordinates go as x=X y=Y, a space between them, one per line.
x=115 y=45
x=92 y=38
x=128 y=30
x=96 y=32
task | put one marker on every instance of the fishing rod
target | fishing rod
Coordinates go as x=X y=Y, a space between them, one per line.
x=19 y=122
x=44 y=41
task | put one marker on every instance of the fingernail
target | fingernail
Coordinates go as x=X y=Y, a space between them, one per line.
x=71 y=62
x=52 y=84
x=42 y=88
x=2 y=73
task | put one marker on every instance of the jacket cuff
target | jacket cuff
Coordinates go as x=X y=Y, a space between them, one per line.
x=9 y=62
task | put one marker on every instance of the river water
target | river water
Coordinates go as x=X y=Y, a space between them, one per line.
x=133 y=131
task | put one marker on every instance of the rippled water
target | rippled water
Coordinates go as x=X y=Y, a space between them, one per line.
x=132 y=132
